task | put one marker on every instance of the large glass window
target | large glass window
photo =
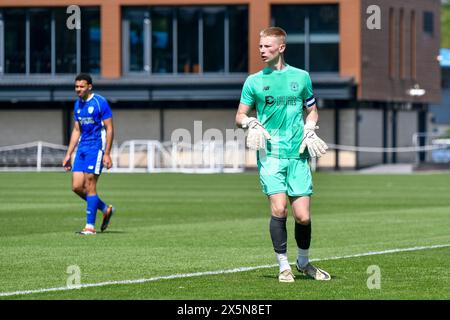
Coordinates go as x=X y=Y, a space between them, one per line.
x=65 y=44
x=313 y=35
x=14 y=35
x=90 y=43
x=135 y=21
x=213 y=39
x=238 y=34
x=38 y=41
x=162 y=40
x=186 y=39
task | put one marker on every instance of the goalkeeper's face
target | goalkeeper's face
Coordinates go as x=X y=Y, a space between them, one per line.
x=271 y=48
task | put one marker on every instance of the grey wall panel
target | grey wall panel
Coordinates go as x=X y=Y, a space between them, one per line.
x=406 y=126
x=221 y=119
x=23 y=126
x=326 y=125
x=370 y=135
x=347 y=127
x=136 y=124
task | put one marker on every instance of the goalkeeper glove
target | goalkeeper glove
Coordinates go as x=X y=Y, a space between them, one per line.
x=316 y=146
x=257 y=134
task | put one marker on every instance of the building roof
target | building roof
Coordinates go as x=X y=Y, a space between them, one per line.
x=203 y=87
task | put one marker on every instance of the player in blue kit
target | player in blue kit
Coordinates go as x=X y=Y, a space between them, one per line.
x=93 y=132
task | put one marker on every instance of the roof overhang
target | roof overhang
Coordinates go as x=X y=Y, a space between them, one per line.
x=205 y=87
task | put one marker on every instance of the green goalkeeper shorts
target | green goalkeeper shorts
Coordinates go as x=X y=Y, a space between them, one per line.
x=291 y=176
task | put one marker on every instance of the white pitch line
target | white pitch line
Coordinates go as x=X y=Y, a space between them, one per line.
x=209 y=273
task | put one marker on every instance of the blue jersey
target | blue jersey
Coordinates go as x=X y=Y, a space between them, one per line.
x=90 y=115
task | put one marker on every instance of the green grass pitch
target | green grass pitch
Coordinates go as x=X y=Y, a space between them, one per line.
x=171 y=224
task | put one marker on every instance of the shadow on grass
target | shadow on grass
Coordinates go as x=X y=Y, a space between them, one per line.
x=101 y=233
x=299 y=277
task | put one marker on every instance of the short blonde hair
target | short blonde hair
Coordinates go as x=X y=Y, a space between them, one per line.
x=276 y=32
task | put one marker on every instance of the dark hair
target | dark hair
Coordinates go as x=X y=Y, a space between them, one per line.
x=84 y=76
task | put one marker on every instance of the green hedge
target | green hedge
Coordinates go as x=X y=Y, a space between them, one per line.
x=445 y=26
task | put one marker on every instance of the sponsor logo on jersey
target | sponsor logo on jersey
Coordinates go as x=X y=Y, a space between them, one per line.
x=86 y=120
x=270 y=101
x=282 y=100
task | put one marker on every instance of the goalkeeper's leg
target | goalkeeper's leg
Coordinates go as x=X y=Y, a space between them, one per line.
x=278 y=234
x=300 y=208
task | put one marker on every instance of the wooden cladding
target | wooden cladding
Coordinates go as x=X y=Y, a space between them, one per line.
x=413 y=49
x=392 y=39
x=402 y=44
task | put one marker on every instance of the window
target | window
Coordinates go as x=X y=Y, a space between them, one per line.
x=162 y=40
x=37 y=41
x=90 y=43
x=136 y=43
x=40 y=40
x=66 y=44
x=428 y=23
x=238 y=35
x=186 y=39
x=14 y=35
x=313 y=35
x=213 y=39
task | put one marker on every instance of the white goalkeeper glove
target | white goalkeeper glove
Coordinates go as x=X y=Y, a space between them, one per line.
x=257 y=134
x=316 y=146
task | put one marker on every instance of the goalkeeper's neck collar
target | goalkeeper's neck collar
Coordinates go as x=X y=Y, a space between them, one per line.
x=268 y=70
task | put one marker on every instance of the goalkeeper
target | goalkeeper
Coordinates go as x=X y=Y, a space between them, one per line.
x=284 y=141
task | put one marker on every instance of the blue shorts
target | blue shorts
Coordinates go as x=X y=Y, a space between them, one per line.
x=88 y=159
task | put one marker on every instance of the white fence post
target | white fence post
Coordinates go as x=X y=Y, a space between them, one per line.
x=131 y=157
x=39 y=156
x=150 y=156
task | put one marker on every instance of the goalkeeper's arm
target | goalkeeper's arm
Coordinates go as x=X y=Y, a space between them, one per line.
x=316 y=146
x=241 y=114
x=311 y=114
x=257 y=134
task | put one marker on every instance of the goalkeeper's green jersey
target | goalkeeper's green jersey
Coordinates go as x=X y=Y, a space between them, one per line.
x=279 y=97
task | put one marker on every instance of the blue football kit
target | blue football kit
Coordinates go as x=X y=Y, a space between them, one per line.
x=90 y=115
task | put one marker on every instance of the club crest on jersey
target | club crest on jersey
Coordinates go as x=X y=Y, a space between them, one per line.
x=91 y=109
x=294 y=86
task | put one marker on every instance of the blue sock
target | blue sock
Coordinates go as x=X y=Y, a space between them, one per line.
x=101 y=205
x=91 y=210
